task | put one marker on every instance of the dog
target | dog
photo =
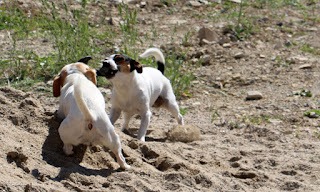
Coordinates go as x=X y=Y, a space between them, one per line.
x=136 y=89
x=82 y=108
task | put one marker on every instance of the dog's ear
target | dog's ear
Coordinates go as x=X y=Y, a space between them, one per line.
x=91 y=75
x=135 y=65
x=118 y=59
x=56 y=86
x=85 y=60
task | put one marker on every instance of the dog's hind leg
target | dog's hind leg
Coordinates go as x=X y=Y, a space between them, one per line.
x=112 y=141
x=125 y=125
x=66 y=135
x=145 y=120
x=173 y=108
x=114 y=115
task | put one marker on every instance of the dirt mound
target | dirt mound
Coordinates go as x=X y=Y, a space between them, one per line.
x=32 y=154
x=243 y=158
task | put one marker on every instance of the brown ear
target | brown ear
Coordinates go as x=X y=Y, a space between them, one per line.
x=91 y=75
x=118 y=59
x=135 y=65
x=56 y=86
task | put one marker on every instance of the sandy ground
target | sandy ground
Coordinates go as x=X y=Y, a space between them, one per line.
x=244 y=145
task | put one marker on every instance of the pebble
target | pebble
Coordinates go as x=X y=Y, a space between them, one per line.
x=206 y=33
x=193 y=3
x=239 y=55
x=196 y=104
x=206 y=59
x=305 y=66
x=226 y=45
x=253 y=95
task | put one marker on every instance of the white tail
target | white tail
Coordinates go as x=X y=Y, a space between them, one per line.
x=81 y=103
x=154 y=52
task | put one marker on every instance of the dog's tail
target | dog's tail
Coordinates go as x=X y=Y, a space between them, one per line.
x=78 y=94
x=158 y=56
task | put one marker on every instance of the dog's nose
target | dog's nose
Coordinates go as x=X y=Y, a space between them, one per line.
x=114 y=71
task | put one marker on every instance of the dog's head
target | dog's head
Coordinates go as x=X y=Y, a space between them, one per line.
x=78 y=67
x=118 y=63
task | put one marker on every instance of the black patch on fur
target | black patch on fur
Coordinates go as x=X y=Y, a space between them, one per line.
x=160 y=66
x=106 y=71
x=85 y=60
x=135 y=65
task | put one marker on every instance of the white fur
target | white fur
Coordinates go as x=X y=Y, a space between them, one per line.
x=135 y=93
x=82 y=105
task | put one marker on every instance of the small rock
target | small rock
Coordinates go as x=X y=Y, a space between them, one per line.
x=204 y=2
x=196 y=104
x=313 y=115
x=143 y=4
x=275 y=121
x=205 y=59
x=235 y=1
x=206 y=42
x=226 y=45
x=193 y=3
x=206 y=33
x=239 y=55
x=296 y=59
x=254 y=95
x=305 y=66
x=224 y=40
x=114 y=21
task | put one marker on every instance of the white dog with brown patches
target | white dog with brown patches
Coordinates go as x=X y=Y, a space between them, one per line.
x=82 y=107
x=137 y=89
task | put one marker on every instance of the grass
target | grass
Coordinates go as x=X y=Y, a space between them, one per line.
x=74 y=37
x=308 y=49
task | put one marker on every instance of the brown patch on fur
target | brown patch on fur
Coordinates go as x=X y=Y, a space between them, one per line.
x=87 y=71
x=56 y=86
x=122 y=64
x=59 y=80
x=159 y=102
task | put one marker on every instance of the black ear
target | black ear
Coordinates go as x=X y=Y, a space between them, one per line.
x=135 y=65
x=85 y=60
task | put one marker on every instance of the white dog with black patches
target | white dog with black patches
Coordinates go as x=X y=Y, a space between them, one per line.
x=137 y=89
x=82 y=107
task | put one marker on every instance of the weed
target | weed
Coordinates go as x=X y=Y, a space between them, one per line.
x=168 y=2
x=308 y=49
x=304 y=93
x=128 y=28
x=73 y=37
x=186 y=38
x=180 y=75
x=214 y=115
x=184 y=111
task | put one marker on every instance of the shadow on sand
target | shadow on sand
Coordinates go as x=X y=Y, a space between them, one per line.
x=53 y=154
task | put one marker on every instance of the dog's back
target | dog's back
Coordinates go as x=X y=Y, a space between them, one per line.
x=81 y=92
